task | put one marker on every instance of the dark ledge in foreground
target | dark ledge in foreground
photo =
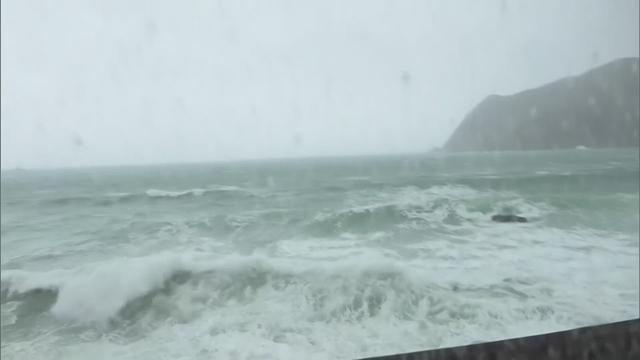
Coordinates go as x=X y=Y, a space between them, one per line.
x=619 y=340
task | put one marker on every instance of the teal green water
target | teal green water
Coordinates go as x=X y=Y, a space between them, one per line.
x=317 y=258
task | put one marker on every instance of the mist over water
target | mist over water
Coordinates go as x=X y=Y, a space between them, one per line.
x=326 y=258
x=118 y=82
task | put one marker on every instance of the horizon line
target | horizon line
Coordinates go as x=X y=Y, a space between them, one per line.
x=220 y=161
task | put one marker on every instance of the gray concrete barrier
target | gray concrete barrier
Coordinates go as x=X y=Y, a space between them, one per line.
x=619 y=340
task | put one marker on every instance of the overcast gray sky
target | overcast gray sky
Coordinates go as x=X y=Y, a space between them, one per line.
x=131 y=82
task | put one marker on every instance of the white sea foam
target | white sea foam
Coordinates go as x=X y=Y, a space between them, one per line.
x=96 y=292
x=166 y=193
x=328 y=275
x=194 y=192
x=347 y=305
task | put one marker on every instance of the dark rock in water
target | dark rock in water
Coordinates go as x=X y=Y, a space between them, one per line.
x=509 y=218
x=597 y=109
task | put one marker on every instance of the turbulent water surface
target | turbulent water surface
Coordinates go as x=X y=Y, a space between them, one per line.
x=325 y=258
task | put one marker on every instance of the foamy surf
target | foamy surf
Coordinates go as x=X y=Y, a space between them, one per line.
x=166 y=193
x=317 y=260
x=157 y=193
x=295 y=305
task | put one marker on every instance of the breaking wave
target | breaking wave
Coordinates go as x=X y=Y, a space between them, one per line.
x=109 y=199
x=155 y=193
x=159 y=285
x=436 y=206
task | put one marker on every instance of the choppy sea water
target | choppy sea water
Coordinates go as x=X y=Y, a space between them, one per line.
x=318 y=259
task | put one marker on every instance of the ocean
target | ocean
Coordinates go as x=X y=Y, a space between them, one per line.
x=327 y=258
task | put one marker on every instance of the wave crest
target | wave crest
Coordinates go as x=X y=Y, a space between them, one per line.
x=182 y=287
x=109 y=199
x=96 y=292
x=127 y=287
x=433 y=207
x=172 y=194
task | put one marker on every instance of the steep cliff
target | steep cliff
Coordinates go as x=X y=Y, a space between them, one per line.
x=600 y=108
